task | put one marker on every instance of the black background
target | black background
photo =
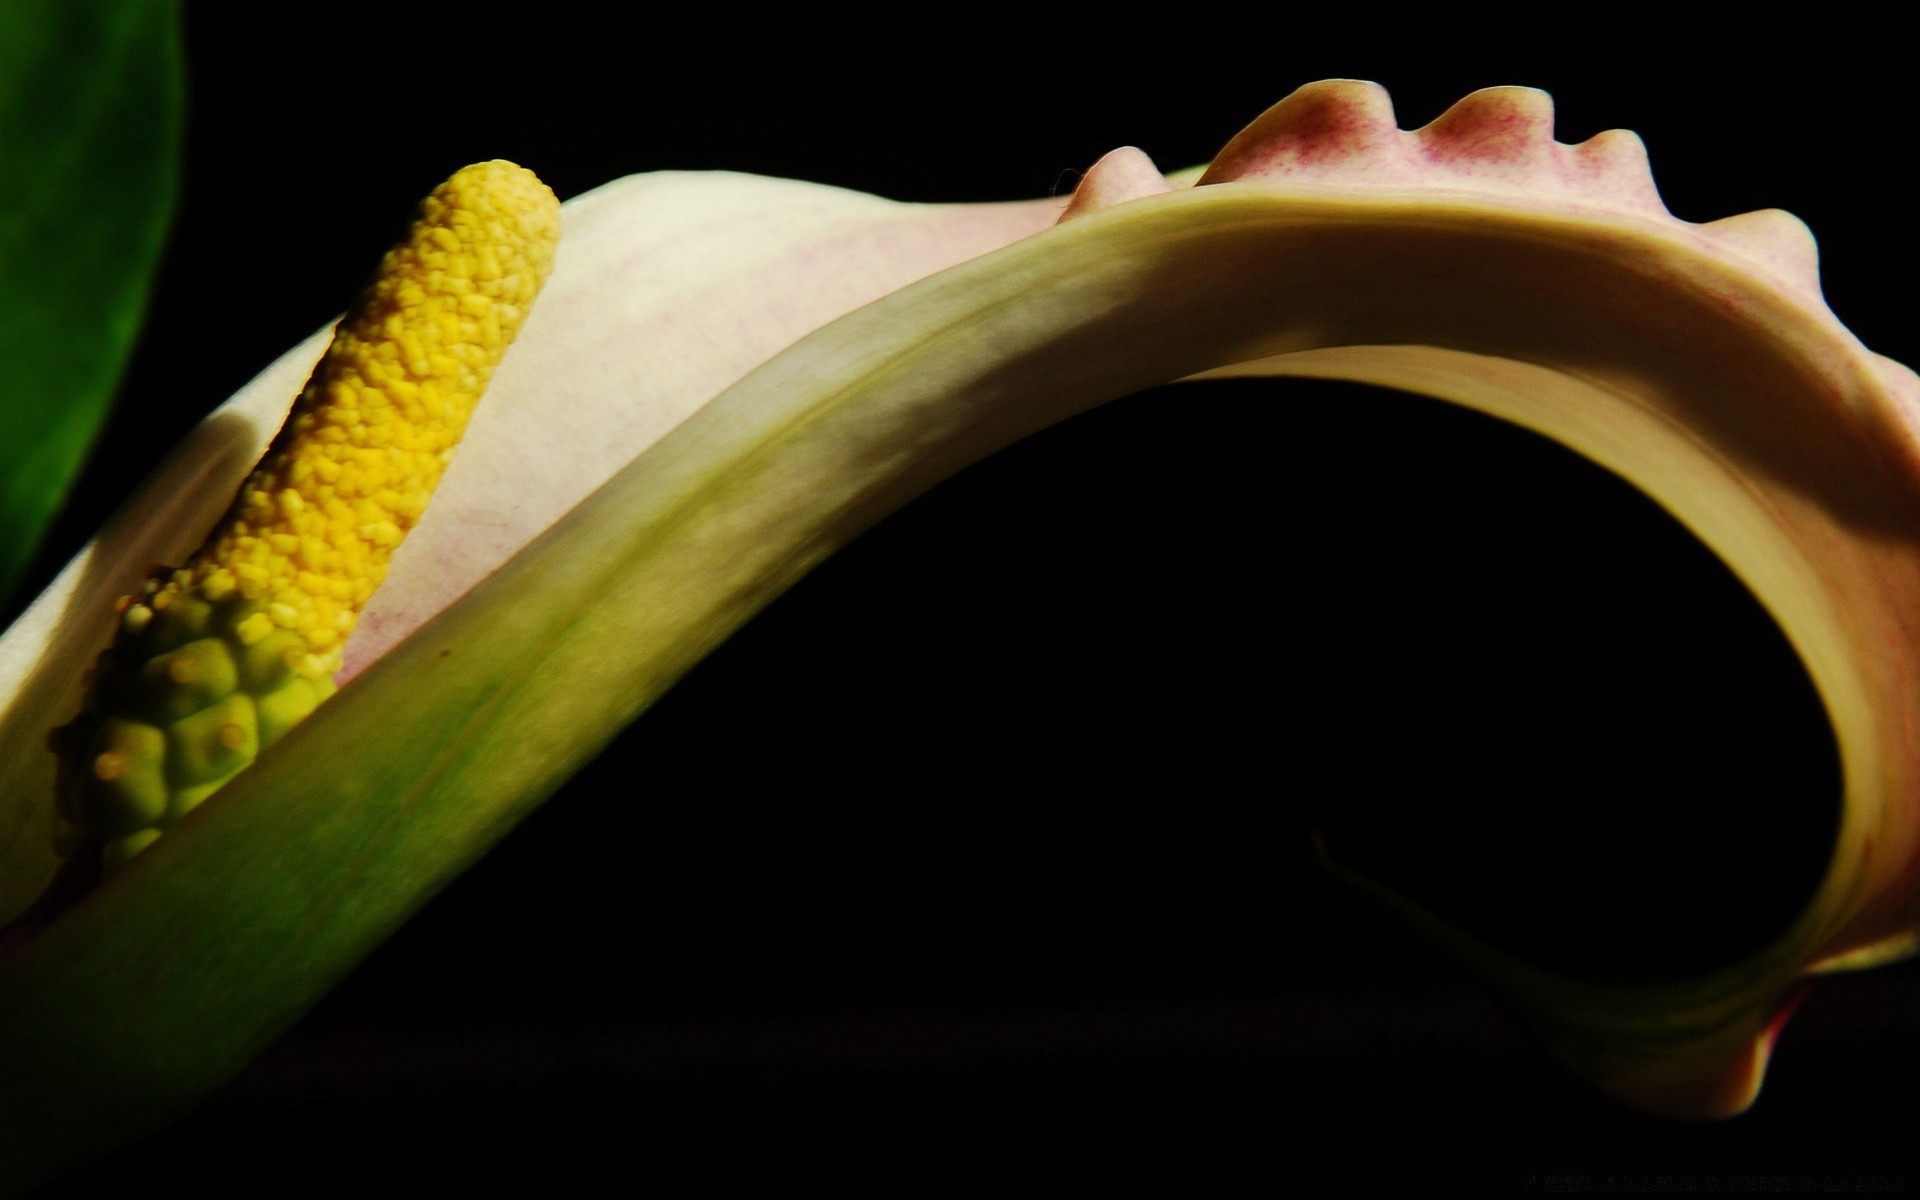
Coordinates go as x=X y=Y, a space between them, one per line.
x=986 y=848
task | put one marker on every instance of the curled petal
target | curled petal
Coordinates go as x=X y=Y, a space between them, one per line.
x=1475 y=260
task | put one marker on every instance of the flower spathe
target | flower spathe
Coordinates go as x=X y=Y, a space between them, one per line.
x=684 y=481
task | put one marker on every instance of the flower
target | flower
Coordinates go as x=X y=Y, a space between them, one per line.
x=623 y=541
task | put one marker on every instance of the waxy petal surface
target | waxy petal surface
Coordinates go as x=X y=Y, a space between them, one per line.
x=1474 y=260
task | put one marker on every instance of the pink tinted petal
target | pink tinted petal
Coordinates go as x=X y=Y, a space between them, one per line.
x=668 y=288
x=1120 y=175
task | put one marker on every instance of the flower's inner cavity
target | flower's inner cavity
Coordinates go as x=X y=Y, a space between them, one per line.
x=1570 y=728
x=1137 y=658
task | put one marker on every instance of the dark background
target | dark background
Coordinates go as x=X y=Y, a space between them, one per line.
x=1014 y=864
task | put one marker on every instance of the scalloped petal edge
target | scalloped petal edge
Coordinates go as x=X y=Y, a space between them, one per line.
x=1498 y=142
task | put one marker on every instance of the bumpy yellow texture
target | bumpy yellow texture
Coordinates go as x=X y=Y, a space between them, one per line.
x=315 y=525
x=215 y=661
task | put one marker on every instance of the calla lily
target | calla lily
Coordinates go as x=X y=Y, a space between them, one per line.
x=730 y=377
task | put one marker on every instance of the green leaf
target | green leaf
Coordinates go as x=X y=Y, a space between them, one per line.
x=90 y=124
